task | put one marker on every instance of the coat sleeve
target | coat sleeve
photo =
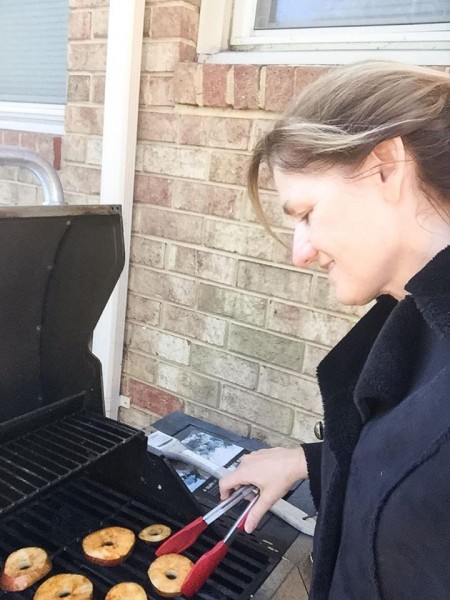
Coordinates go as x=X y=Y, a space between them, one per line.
x=313 y=455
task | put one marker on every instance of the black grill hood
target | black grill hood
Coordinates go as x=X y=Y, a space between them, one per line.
x=58 y=267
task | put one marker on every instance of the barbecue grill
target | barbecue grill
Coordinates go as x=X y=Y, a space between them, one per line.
x=65 y=469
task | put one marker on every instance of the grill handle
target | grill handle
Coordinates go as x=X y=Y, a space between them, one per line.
x=48 y=177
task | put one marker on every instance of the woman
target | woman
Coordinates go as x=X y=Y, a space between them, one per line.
x=362 y=163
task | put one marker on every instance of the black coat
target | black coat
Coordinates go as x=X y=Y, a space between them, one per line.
x=383 y=529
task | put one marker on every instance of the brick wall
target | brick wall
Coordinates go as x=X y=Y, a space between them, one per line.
x=219 y=323
x=86 y=62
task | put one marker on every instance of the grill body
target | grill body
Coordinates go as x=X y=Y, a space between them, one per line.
x=82 y=472
x=65 y=469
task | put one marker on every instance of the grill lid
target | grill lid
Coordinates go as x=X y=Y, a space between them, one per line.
x=58 y=267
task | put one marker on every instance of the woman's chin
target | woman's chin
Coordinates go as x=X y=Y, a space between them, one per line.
x=352 y=297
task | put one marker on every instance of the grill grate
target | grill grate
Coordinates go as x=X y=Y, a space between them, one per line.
x=59 y=519
x=41 y=458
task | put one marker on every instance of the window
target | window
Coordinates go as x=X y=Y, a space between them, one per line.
x=33 y=64
x=324 y=31
x=285 y=14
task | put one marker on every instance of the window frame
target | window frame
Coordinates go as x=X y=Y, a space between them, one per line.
x=33 y=117
x=226 y=35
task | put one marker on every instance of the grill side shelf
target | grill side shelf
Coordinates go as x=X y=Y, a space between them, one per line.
x=40 y=459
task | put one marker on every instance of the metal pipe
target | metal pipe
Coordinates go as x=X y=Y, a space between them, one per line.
x=47 y=175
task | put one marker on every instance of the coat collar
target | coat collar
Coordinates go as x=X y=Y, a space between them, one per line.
x=430 y=289
x=338 y=374
x=369 y=371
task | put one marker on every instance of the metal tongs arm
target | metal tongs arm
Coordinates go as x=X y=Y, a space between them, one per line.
x=187 y=536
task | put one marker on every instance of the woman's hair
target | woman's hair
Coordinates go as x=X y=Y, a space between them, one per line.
x=339 y=119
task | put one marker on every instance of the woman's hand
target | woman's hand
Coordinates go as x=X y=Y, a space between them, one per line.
x=274 y=471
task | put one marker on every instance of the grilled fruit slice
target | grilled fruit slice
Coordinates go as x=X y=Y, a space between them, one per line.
x=154 y=533
x=126 y=591
x=109 y=546
x=67 y=585
x=168 y=572
x=23 y=568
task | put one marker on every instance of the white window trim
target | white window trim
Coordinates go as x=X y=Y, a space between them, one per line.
x=123 y=72
x=226 y=35
x=37 y=118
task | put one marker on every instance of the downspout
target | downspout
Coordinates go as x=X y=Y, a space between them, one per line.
x=123 y=72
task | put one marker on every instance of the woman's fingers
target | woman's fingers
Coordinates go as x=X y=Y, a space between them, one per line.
x=264 y=504
x=245 y=474
x=267 y=498
x=229 y=483
x=273 y=471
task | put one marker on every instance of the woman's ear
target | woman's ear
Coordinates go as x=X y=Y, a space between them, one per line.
x=390 y=158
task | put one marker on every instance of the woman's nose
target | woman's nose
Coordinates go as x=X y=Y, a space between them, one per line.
x=303 y=251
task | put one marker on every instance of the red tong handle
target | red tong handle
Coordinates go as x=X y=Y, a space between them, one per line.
x=206 y=564
x=182 y=539
x=203 y=569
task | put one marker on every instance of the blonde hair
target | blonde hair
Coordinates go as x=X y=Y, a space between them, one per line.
x=339 y=119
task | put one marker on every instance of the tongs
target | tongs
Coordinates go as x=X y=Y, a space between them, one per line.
x=184 y=538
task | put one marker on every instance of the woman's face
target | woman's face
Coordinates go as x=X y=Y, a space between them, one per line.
x=348 y=227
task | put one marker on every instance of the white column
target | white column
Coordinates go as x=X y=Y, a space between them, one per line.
x=123 y=71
